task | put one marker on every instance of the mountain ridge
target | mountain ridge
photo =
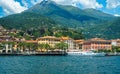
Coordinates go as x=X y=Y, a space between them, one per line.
x=58 y=12
x=53 y=14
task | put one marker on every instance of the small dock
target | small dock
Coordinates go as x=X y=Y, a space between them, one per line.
x=52 y=53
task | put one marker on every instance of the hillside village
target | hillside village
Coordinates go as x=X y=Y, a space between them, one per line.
x=11 y=42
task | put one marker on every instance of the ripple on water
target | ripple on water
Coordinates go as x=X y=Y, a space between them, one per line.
x=59 y=65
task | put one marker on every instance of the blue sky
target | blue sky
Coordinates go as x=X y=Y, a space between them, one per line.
x=8 y=7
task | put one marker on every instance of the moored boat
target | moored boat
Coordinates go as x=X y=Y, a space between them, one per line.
x=88 y=53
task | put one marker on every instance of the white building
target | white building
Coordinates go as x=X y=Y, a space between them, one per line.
x=69 y=41
x=115 y=42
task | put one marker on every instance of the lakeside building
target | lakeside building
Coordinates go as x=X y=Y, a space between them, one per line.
x=51 y=40
x=78 y=44
x=31 y=42
x=11 y=46
x=9 y=43
x=115 y=42
x=69 y=41
x=7 y=46
x=97 y=44
x=83 y=45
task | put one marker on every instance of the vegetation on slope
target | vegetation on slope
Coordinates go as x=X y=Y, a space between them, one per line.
x=37 y=25
x=107 y=30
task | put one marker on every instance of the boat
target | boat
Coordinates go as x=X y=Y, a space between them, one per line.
x=86 y=53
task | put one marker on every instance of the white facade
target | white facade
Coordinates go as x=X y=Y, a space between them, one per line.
x=70 y=43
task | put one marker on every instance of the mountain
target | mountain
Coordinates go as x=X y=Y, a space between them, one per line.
x=57 y=13
x=37 y=26
x=99 y=14
x=26 y=21
x=108 y=30
x=47 y=15
x=68 y=15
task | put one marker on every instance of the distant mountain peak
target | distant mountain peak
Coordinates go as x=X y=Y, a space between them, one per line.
x=47 y=2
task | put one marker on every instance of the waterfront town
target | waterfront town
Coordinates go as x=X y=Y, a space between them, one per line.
x=12 y=44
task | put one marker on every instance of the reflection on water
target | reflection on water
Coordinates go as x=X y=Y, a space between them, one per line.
x=59 y=65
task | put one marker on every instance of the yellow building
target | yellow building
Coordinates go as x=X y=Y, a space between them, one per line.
x=51 y=40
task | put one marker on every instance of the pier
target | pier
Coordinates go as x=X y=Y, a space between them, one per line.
x=51 y=53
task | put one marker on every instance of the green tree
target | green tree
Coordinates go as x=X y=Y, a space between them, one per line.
x=1 y=46
x=62 y=46
x=21 y=46
x=41 y=46
x=44 y=46
x=35 y=47
x=52 y=48
x=30 y=46
x=47 y=47
x=118 y=50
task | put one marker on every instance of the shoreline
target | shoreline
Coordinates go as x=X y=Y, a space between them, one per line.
x=112 y=54
x=35 y=54
x=47 y=54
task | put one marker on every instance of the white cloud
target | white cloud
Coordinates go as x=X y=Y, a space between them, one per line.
x=6 y=11
x=117 y=15
x=11 y=6
x=64 y=2
x=89 y=3
x=84 y=3
x=112 y=3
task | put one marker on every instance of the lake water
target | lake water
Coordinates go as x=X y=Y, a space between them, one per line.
x=59 y=65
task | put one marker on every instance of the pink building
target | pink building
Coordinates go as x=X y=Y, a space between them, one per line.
x=97 y=44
